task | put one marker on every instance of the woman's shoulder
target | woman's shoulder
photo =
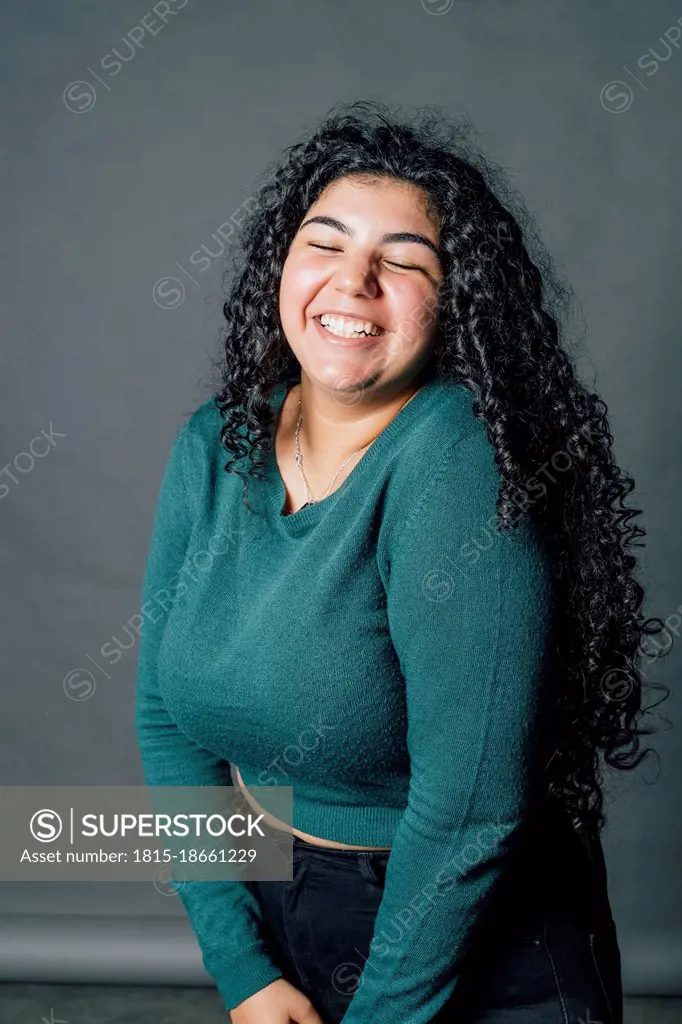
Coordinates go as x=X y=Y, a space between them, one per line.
x=443 y=462
x=198 y=443
x=448 y=431
x=200 y=431
x=204 y=421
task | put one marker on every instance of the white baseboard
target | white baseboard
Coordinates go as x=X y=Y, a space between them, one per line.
x=87 y=950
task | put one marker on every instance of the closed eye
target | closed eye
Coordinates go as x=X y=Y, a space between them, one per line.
x=390 y=263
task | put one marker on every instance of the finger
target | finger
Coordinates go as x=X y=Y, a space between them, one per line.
x=305 y=1013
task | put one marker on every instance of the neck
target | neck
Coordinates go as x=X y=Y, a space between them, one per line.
x=337 y=422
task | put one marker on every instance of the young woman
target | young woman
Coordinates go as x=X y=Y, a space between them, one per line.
x=424 y=620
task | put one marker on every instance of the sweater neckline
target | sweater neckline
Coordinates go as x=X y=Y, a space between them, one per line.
x=309 y=514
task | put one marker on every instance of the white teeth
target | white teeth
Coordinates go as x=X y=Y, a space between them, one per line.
x=346 y=328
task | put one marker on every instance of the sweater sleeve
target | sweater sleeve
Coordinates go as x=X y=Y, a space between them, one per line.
x=467 y=611
x=224 y=915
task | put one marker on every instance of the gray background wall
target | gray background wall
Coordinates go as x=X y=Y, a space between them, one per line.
x=109 y=185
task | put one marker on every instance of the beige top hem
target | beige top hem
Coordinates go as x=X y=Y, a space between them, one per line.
x=284 y=827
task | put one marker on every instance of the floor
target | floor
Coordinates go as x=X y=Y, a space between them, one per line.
x=108 y=1004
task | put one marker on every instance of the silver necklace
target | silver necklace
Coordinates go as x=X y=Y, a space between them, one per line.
x=298 y=459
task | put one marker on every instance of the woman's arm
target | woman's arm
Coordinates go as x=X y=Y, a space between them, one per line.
x=468 y=611
x=225 y=915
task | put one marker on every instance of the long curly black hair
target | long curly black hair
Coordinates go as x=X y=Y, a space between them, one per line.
x=496 y=325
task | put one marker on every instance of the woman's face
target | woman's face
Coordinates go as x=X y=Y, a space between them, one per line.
x=365 y=255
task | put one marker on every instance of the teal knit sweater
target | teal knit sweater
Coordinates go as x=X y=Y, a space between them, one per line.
x=381 y=651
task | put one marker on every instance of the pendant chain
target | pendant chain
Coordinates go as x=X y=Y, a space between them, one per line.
x=298 y=459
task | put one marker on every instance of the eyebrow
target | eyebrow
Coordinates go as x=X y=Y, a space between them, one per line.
x=392 y=236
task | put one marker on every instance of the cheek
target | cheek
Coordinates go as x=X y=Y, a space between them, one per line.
x=415 y=312
x=298 y=287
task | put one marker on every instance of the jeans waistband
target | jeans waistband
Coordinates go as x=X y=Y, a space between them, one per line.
x=301 y=849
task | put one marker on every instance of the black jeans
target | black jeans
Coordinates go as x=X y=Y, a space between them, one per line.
x=547 y=953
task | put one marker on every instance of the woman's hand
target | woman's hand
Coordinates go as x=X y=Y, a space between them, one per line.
x=277 y=1003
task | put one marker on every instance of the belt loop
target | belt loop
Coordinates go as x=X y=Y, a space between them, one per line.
x=365 y=866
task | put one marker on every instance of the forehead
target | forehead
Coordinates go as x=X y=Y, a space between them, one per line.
x=379 y=199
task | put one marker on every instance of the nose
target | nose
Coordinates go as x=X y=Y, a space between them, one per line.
x=355 y=276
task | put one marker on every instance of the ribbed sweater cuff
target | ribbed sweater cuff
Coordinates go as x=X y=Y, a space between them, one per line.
x=242 y=975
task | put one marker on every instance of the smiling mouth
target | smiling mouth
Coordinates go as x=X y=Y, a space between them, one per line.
x=348 y=328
